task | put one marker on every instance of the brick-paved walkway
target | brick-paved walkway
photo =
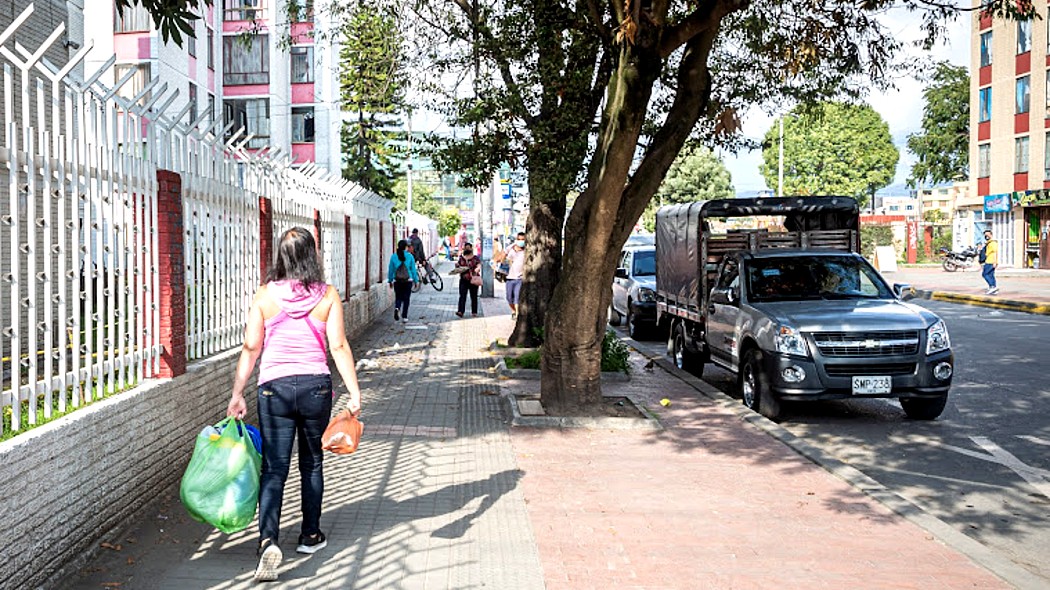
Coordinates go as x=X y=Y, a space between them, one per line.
x=444 y=495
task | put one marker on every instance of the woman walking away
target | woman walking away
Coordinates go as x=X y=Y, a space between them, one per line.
x=469 y=280
x=401 y=274
x=287 y=324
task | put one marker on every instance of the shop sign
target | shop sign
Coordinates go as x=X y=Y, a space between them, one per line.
x=1000 y=203
x=1032 y=198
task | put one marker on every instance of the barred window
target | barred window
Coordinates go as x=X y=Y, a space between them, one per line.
x=211 y=49
x=243 y=64
x=193 y=102
x=302 y=64
x=252 y=115
x=135 y=19
x=136 y=83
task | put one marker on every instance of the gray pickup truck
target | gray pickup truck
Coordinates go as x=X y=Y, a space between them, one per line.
x=792 y=309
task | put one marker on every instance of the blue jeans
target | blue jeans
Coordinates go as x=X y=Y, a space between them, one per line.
x=289 y=406
x=989 y=275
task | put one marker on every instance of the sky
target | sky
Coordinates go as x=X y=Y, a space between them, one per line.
x=901 y=108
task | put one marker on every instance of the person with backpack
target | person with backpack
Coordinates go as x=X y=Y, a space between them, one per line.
x=401 y=274
x=291 y=319
x=989 y=259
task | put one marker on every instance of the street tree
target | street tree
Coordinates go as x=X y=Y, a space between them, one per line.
x=449 y=221
x=619 y=86
x=423 y=201
x=372 y=82
x=942 y=147
x=697 y=174
x=831 y=148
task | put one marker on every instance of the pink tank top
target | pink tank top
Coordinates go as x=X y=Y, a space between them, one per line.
x=293 y=346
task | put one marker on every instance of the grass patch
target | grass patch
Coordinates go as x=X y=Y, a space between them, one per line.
x=41 y=402
x=614 y=356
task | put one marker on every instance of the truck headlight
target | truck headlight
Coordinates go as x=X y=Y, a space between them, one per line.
x=937 y=338
x=646 y=295
x=789 y=341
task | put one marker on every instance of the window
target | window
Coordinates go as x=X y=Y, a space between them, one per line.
x=1046 y=157
x=302 y=64
x=1024 y=36
x=303 y=11
x=212 y=109
x=1024 y=95
x=243 y=9
x=193 y=102
x=302 y=124
x=191 y=44
x=134 y=19
x=252 y=115
x=985 y=104
x=136 y=83
x=1021 y=155
x=984 y=160
x=644 y=263
x=211 y=49
x=246 y=64
x=986 y=49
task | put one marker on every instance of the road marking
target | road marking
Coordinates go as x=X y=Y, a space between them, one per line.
x=1034 y=439
x=1037 y=478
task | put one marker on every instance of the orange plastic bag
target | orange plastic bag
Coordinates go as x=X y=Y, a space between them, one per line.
x=343 y=434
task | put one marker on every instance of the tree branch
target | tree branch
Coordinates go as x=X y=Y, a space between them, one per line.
x=707 y=15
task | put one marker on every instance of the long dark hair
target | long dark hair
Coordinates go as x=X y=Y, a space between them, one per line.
x=401 y=245
x=296 y=259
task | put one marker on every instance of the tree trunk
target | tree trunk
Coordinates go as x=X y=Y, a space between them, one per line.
x=542 y=268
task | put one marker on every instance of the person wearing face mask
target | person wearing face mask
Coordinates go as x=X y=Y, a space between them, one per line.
x=515 y=255
x=469 y=280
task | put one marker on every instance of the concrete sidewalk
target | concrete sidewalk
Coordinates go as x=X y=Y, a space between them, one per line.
x=444 y=494
x=1019 y=289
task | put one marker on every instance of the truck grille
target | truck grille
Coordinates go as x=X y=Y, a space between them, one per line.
x=851 y=370
x=866 y=344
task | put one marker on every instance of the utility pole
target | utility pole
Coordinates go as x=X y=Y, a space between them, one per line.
x=780 y=167
x=409 y=175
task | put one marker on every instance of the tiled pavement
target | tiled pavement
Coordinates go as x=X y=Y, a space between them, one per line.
x=444 y=495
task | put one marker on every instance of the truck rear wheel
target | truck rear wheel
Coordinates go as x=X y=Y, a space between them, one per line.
x=683 y=359
x=918 y=408
x=614 y=316
x=754 y=387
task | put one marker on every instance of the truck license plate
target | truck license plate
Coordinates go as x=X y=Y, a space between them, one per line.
x=872 y=385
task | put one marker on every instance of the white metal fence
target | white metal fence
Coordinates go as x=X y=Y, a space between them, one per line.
x=79 y=278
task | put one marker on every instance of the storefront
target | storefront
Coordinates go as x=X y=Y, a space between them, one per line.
x=1000 y=216
x=1035 y=207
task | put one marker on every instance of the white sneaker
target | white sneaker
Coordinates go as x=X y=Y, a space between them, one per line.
x=269 y=561
x=993 y=290
x=404 y=320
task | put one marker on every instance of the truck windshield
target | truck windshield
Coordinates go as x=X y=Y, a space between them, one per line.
x=813 y=277
x=644 y=263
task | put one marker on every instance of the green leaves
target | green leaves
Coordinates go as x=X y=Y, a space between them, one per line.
x=173 y=18
x=943 y=144
x=831 y=149
x=696 y=175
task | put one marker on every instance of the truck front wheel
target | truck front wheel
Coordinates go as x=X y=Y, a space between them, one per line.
x=918 y=408
x=754 y=387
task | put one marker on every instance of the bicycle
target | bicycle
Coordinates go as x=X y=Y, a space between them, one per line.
x=427 y=274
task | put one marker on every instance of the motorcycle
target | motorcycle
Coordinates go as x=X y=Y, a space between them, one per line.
x=953 y=261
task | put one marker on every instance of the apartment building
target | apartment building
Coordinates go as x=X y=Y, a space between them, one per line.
x=267 y=66
x=1010 y=135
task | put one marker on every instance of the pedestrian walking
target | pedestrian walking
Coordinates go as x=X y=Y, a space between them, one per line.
x=515 y=256
x=401 y=273
x=290 y=319
x=469 y=266
x=989 y=258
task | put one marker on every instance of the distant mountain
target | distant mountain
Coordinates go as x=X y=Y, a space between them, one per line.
x=897 y=189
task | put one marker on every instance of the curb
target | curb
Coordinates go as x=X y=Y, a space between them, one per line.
x=649 y=422
x=984 y=301
x=981 y=555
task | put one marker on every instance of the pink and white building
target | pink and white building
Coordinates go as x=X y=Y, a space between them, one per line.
x=284 y=94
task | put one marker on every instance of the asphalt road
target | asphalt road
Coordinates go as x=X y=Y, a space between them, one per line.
x=983 y=467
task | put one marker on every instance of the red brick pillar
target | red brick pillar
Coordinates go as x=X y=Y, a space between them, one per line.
x=346 y=235
x=368 y=254
x=172 y=269
x=265 y=236
x=317 y=233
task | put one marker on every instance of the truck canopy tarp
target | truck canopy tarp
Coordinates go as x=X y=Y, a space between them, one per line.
x=679 y=229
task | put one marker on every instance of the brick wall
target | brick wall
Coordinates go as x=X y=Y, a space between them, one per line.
x=172 y=270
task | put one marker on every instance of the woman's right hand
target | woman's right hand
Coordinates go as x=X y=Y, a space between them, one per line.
x=237 y=407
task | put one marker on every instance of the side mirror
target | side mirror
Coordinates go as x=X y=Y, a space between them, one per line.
x=903 y=291
x=723 y=297
x=621 y=273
